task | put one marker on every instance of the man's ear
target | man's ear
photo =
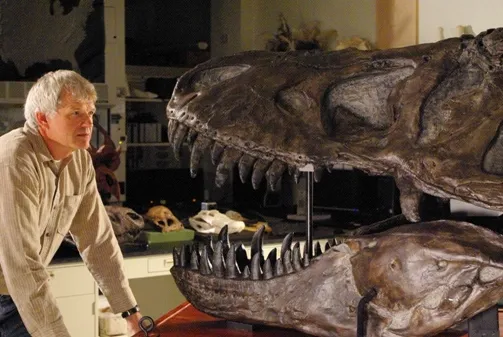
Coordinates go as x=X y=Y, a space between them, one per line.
x=41 y=119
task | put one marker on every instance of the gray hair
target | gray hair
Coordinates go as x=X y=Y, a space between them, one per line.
x=44 y=95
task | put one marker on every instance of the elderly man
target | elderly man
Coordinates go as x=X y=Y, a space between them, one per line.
x=49 y=189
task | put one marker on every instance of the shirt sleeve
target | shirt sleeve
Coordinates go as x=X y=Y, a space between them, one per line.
x=92 y=232
x=25 y=275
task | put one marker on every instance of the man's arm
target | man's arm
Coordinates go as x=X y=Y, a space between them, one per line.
x=25 y=275
x=97 y=244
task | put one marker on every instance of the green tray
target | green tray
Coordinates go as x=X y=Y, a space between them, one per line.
x=158 y=237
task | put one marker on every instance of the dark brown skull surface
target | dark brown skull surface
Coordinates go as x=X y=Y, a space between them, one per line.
x=428 y=276
x=429 y=115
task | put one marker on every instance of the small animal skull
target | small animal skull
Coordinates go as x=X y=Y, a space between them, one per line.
x=126 y=223
x=162 y=217
x=213 y=221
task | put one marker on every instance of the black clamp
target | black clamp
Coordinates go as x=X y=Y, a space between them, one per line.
x=362 y=317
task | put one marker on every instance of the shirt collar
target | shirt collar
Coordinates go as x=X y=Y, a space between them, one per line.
x=40 y=147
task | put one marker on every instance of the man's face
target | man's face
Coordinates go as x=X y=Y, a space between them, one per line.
x=70 y=128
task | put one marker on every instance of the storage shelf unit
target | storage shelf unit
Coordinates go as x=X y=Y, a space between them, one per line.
x=14 y=93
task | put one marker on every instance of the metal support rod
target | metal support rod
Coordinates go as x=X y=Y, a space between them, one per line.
x=309 y=213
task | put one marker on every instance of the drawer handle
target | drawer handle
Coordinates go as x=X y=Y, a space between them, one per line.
x=51 y=274
x=166 y=263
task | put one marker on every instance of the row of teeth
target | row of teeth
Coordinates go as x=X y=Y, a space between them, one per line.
x=225 y=158
x=226 y=260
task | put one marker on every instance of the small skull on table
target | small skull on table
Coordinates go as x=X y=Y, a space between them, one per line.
x=164 y=219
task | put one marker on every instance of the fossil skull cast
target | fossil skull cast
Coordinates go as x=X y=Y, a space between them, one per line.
x=126 y=223
x=212 y=221
x=429 y=115
x=164 y=219
x=429 y=276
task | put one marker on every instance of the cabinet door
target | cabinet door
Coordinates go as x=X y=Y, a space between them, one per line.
x=71 y=280
x=76 y=293
x=79 y=315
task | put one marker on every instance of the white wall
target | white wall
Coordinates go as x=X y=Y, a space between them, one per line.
x=480 y=14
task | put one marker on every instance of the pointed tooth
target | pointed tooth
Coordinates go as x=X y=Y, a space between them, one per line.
x=279 y=270
x=285 y=245
x=255 y=267
x=176 y=257
x=259 y=169
x=274 y=174
x=183 y=256
x=178 y=138
x=296 y=258
x=205 y=264
x=172 y=126
x=188 y=253
x=196 y=249
x=246 y=273
x=241 y=257
x=256 y=244
x=245 y=166
x=216 y=152
x=194 y=260
x=198 y=150
x=232 y=270
x=305 y=261
x=218 y=260
x=318 y=174
x=317 y=249
x=226 y=166
x=295 y=173
x=291 y=169
x=330 y=167
x=272 y=256
x=191 y=138
x=267 y=270
x=209 y=248
x=287 y=262
x=223 y=236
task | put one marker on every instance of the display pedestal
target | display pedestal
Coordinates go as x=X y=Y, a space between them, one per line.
x=187 y=321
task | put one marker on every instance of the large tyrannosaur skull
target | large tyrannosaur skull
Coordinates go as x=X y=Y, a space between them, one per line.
x=429 y=115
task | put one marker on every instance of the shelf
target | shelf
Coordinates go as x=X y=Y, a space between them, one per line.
x=14 y=93
x=146 y=100
x=134 y=72
x=148 y=144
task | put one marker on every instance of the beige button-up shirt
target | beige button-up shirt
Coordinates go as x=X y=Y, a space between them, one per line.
x=40 y=202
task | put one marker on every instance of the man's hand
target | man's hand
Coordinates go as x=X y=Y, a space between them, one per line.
x=133 y=326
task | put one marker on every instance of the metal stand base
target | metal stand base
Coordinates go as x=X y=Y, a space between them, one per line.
x=485 y=324
x=241 y=326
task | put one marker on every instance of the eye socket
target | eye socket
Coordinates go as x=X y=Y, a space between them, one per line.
x=207 y=78
x=133 y=216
